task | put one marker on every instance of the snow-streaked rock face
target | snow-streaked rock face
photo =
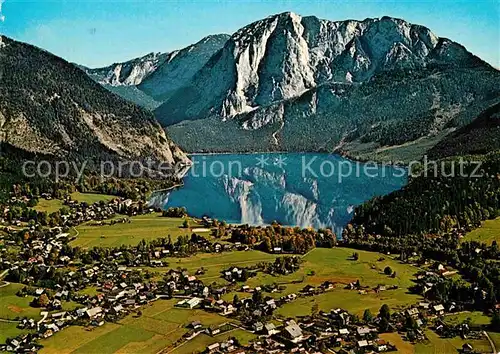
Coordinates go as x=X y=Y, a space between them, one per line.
x=131 y=72
x=283 y=56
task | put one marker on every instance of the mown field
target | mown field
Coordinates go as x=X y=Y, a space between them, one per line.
x=159 y=327
x=487 y=233
x=91 y=198
x=437 y=345
x=49 y=206
x=12 y=306
x=9 y=330
x=141 y=227
x=214 y=263
x=335 y=265
x=53 y=205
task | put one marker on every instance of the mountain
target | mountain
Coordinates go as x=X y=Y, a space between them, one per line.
x=479 y=137
x=148 y=80
x=50 y=107
x=129 y=73
x=122 y=78
x=180 y=67
x=293 y=83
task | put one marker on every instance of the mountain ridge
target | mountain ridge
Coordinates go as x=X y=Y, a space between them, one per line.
x=251 y=88
x=51 y=107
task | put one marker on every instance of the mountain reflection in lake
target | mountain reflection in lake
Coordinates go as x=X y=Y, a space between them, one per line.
x=306 y=190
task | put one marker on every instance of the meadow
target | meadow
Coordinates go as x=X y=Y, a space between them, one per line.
x=12 y=306
x=91 y=198
x=148 y=227
x=53 y=205
x=487 y=233
x=159 y=327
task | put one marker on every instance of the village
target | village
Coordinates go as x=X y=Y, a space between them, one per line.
x=126 y=280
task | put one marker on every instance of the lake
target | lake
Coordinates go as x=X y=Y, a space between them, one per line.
x=298 y=189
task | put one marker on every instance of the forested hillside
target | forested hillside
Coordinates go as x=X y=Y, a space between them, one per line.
x=454 y=193
x=479 y=137
x=50 y=107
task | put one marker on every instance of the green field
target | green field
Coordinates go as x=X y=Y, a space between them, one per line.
x=53 y=205
x=9 y=330
x=49 y=206
x=91 y=198
x=476 y=318
x=487 y=233
x=495 y=337
x=326 y=264
x=12 y=306
x=202 y=341
x=437 y=345
x=159 y=327
x=214 y=263
x=146 y=227
x=334 y=265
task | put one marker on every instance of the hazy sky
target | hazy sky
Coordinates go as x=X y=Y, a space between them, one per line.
x=98 y=33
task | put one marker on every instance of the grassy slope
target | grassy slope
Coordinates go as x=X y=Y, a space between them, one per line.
x=147 y=227
x=487 y=233
x=412 y=151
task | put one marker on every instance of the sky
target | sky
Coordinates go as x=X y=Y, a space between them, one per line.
x=99 y=33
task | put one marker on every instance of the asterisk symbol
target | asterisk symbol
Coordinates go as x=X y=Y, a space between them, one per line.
x=280 y=161
x=262 y=161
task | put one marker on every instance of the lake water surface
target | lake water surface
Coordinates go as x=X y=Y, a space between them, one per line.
x=317 y=190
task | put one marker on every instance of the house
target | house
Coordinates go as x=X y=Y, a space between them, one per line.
x=344 y=332
x=117 y=309
x=413 y=312
x=362 y=343
x=308 y=289
x=189 y=303
x=293 y=332
x=195 y=325
x=327 y=285
x=245 y=288
x=270 y=329
x=438 y=309
x=212 y=348
x=467 y=348
x=258 y=326
x=424 y=305
x=93 y=312
x=363 y=331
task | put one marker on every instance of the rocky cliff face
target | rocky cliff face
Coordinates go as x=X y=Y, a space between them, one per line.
x=180 y=67
x=148 y=81
x=281 y=79
x=50 y=107
x=129 y=73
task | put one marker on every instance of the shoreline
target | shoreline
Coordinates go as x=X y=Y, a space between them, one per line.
x=339 y=154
